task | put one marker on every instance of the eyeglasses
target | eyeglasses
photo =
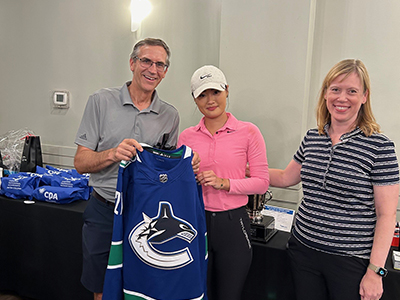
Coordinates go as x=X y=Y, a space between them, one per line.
x=147 y=63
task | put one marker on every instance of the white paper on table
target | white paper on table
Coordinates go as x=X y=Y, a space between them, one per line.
x=283 y=216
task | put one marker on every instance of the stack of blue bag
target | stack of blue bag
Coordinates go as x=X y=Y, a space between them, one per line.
x=47 y=184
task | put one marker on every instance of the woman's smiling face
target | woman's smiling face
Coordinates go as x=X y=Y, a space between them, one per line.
x=212 y=103
x=344 y=97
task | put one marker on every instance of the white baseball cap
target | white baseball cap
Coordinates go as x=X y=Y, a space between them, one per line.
x=207 y=77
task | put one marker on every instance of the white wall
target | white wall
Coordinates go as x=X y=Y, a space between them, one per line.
x=263 y=54
x=367 y=30
x=46 y=45
x=84 y=45
x=274 y=53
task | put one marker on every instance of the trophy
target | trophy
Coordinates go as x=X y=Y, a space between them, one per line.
x=262 y=227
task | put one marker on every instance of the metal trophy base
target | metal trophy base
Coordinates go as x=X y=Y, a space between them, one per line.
x=262 y=230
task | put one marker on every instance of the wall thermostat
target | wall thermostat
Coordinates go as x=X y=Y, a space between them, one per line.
x=61 y=99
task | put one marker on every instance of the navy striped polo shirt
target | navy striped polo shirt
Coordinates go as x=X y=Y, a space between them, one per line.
x=337 y=214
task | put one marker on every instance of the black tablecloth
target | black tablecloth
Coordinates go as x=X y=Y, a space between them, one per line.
x=391 y=283
x=41 y=256
x=41 y=249
x=270 y=276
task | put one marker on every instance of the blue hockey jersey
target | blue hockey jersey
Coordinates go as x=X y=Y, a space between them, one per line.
x=159 y=243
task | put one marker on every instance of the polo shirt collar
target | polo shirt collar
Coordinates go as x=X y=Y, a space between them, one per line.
x=125 y=98
x=347 y=135
x=231 y=124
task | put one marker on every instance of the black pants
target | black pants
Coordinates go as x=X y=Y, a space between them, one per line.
x=321 y=276
x=229 y=253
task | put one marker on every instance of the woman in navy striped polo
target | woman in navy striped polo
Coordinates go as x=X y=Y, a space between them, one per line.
x=350 y=178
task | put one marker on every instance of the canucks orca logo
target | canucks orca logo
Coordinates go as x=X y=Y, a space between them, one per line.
x=163 y=228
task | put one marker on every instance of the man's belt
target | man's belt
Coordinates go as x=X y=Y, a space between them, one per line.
x=102 y=199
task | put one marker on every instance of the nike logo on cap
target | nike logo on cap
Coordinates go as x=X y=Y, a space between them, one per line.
x=205 y=76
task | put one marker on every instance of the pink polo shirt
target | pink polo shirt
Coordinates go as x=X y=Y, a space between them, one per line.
x=227 y=154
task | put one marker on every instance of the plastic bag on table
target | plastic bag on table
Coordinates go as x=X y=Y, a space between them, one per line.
x=11 y=147
x=58 y=171
x=61 y=195
x=62 y=177
x=19 y=186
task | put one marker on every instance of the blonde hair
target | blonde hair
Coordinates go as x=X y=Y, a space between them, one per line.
x=365 y=119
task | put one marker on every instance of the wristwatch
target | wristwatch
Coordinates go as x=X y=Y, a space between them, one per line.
x=378 y=270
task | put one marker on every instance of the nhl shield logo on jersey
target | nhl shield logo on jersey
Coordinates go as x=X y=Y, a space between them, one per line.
x=163 y=178
x=147 y=237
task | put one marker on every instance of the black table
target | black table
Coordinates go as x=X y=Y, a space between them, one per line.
x=41 y=250
x=270 y=277
x=391 y=284
x=41 y=256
